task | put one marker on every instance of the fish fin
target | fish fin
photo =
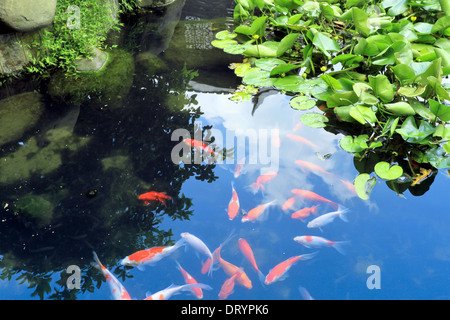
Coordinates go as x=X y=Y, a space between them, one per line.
x=97 y=262
x=141 y=267
x=261 y=278
x=338 y=246
x=343 y=214
x=308 y=256
x=254 y=187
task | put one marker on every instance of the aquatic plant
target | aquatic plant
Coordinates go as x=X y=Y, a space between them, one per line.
x=374 y=70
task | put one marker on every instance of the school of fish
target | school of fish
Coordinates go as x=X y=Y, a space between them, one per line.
x=239 y=275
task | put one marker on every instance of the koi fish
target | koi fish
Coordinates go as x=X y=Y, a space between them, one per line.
x=154 y=196
x=297 y=126
x=208 y=261
x=230 y=269
x=306 y=165
x=304 y=213
x=165 y=294
x=198 y=145
x=233 y=205
x=262 y=179
x=276 y=138
x=301 y=139
x=279 y=272
x=257 y=213
x=190 y=280
x=317 y=242
x=305 y=294
x=288 y=203
x=248 y=253
x=350 y=186
x=306 y=194
x=117 y=289
x=150 y=256
x=199 y=246
x=239 y=169
x=228 y=285
x=326 y=218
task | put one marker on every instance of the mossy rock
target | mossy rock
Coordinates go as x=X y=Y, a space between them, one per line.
x=36 y=208
x=106 y=87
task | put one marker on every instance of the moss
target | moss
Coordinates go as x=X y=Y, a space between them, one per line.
x=36 y=208
x=107 y=86
x=118 y=162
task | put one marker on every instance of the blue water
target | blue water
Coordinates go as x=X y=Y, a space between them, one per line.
x=406 y=237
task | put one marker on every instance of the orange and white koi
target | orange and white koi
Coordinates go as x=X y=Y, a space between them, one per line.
x=199 y=246
x=117 y=289
x=190 y=280
x=301 y=139
x=228 y=285
x=239 y=169
x=288 y=203
x=327 y=218
x=304 y=213
x=317 y=242
x=154 y=196
x=306 y=165
x=150 y=256
x=312 y=196
x=233 y=205
x=262 y=179
x=257 y=213
x=279 y=272
x=167 y=293
x=305 y=294
x=248 y=253
x=231 y=269
x=198 y=145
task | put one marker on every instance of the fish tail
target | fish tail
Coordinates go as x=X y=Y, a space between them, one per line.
x=97 y=264
x=338 y=245
x=254 y=187
x=261 y=277
x=343 y=213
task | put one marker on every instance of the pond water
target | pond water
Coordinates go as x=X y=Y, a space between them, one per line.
x=71 y=184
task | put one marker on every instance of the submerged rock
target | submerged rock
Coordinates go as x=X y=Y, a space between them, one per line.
x=27 y=15
x=154 y=3
x=18 y=114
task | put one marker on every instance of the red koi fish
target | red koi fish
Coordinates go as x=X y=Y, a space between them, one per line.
x=279 y=272
x=198 y=145
x=154 y=196
x=228 y=285
x=305 y=165
x=301 y=139
x=230 y=269
x=233 y=205
x=257 y=213
x=117 y=289
x=248 y=253
x=197 y=291
x=304 y=213
x=150 y=256
x=317 y=242
x=262 y=179
x=312 y=196
x=288 y=203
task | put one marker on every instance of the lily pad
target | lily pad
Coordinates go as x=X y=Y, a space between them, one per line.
x=315 y=120
x=385 y=171
x=364 y=185
x=302 y=103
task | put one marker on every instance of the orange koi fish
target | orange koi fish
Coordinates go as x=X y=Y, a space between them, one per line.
x=165 y=294
x=228 y=285
x=312 y=196
x=190 y=280
x=233 y=205
x=317 y=242
x=350 y=186
x=304 y=213
x=311 y=167
x=276 y=138
x=150 y=256
x=257 y=213
x=297 y=126
x=239 y=169
x=279 y=272
x=154 y=196
x=248 y=253
x=117 y=289
x=230 y=269
x=198 y=145
x=288 y=203
x=262 y=179
x=301 y=139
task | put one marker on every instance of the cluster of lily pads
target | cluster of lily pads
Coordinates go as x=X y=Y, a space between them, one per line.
x=372 y=70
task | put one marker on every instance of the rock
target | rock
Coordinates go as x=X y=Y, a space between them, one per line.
x=27 y=15
x=95 y=63
x=18 y=114
x=13 y=55
x=154 y=3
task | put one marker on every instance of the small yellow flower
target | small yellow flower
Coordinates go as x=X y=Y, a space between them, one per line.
x=304 y=75
x=413 y=18
x=255 y=36
x=323 y=68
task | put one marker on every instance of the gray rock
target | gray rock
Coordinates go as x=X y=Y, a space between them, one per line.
x=95 y=63
x=154 y=3
x=27 y=15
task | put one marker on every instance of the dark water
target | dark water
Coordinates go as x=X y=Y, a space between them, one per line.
x=70 y=186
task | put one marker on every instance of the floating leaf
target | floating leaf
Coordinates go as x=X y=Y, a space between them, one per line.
x=302 y=103
x=411 y=133
x=411 y=91
x=325 y=43
x=441 y=24
x=363 y=114
x=439 y=110
x=382 y=87
x=385 y=171
x=364 y=185
x=283 y=68
x=400 y=108
x=223 y=43
x=286 y=43
x=315 y=120
x=225 y=34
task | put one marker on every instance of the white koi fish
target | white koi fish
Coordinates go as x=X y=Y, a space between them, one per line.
x=165 y=294
x=199 y=246
x=317 y=242
x=327 y=218
x=117 y=289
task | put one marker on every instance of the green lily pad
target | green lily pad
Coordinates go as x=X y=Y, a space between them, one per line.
x=385 y=171
x=302 y=103
x=364 y=185
x=315 y=120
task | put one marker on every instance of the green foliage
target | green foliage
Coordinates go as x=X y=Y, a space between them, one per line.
x=387 y=61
